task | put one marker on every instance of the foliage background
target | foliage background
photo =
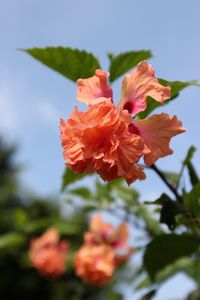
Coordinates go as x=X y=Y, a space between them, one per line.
x=32 y=98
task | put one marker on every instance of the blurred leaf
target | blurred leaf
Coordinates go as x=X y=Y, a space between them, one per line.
x=172 y=177
x=70 y=177
x=103 y=193
x=123 y=62
x=11 y=240
x=192 y=200
x=176 y=88
x=82 y=192
x=165 y=249
x=71 y=63
x=194 y=295
x=185 y=264
x=127 y=194
x=144 y=283
x=152 y=225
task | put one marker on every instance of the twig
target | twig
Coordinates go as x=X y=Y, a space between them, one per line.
x=169 y=185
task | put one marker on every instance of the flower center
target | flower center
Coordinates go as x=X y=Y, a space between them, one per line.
x=133 y=129
x=128 y=106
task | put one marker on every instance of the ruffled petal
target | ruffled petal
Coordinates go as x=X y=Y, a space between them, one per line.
x=157 y=131
x=140 y=84
x=94 y=87
x=135 y=173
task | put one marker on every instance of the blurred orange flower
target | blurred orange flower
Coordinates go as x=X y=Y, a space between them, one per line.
x=48 y=254
x=101 y=232
x=95 y=264
x=105 y=139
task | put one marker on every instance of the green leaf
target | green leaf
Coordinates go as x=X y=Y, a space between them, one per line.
x=176 y=88
x=11 y=240
x=82 y=192
x=71 y=63
x=123 y=62
x=194 y=178
x=192 y=201
x=189 y=155
x=168 y=211
x=165 y=249
x=172 y=177
x=70 y=177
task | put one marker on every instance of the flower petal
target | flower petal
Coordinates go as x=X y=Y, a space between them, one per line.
x=135 y=173
x=94 y=87
x=140 y=84
x=157 y=131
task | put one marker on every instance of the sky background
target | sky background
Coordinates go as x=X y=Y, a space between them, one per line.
x=33 y=98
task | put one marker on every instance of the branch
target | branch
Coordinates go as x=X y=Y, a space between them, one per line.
x=169 y=185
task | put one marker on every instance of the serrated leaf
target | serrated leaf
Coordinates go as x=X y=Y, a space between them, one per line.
x=176 y=88
x=165 y=249
x=70 y=177
x=123 y=62
x=71 y=63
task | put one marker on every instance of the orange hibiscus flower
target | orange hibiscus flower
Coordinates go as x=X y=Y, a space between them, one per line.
x=48 y=254
x=95 y=264
x=105 y=139
x=105 y=248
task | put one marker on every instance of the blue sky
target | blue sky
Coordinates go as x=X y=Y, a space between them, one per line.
x=33 y=98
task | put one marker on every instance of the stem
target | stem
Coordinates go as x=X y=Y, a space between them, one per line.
x=169 y=185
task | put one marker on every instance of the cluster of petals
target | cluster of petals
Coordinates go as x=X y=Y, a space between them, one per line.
x=103 y=250
x=106 y=138
x=48 y=254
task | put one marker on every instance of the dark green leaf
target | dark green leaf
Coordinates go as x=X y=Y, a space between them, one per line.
x=192 y=201
x=71 y=63
x=176 y=88
x=123 y=62
x=169 y=210
x=165 y=249
x=70 y=177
